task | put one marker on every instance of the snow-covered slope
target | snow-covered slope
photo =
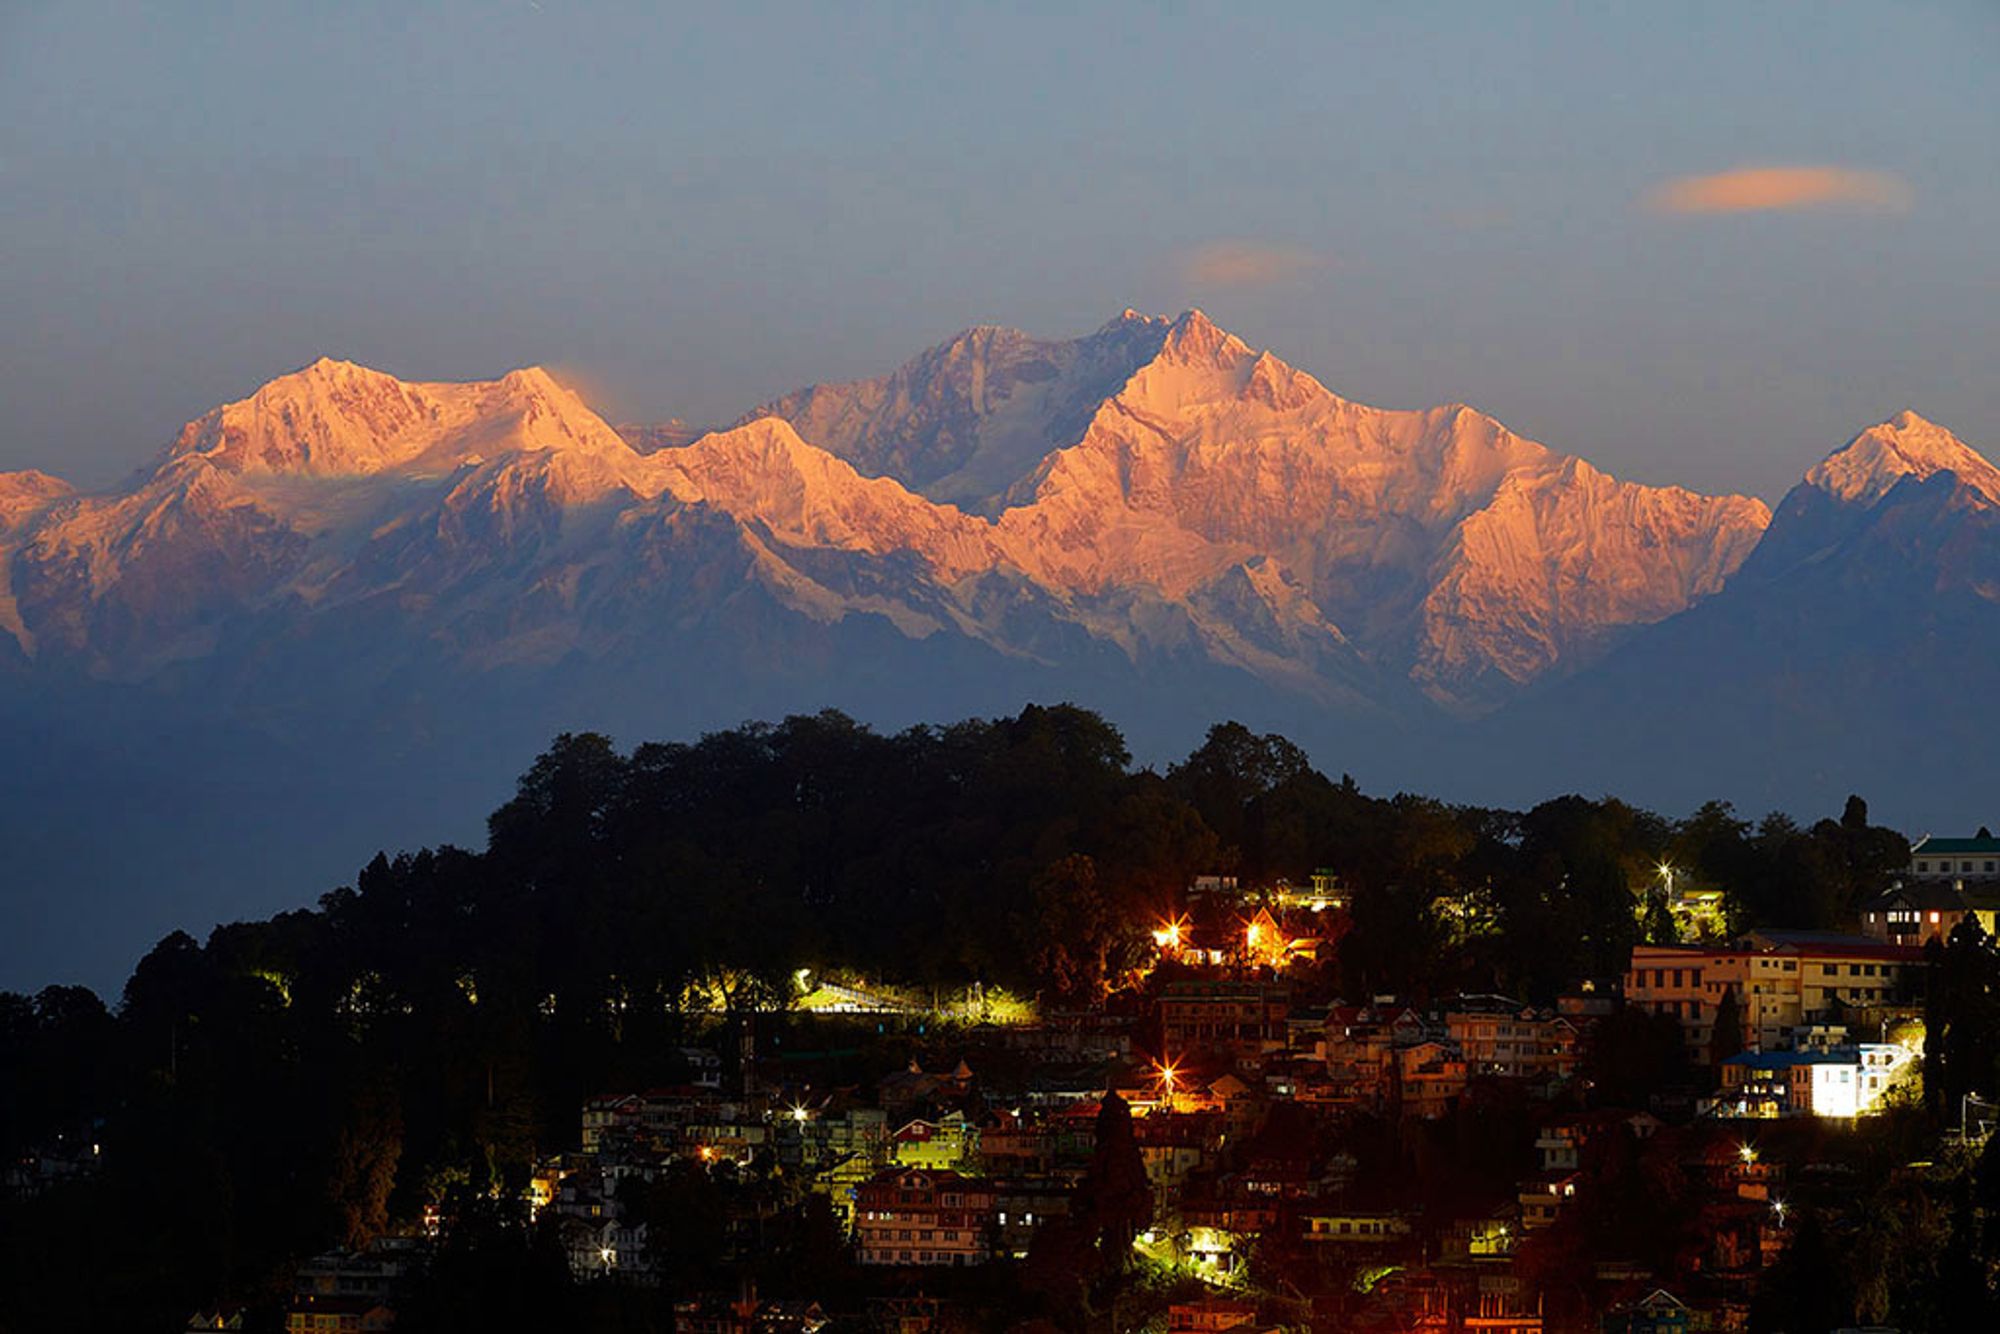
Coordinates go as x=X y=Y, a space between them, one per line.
x=967 y=419
x=1157 y=487
x=1436 y=540
x=1906 y=445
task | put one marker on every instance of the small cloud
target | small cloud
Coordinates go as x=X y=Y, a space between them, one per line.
x=1788 y=189
x=1244 y=264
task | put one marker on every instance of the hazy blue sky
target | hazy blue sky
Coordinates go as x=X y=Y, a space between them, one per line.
x=697 y=207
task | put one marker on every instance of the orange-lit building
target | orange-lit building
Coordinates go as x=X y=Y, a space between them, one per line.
x=1223 y=1015
x=338 y=1315
x=1511 y=1040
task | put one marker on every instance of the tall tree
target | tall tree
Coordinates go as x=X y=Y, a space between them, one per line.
x=1116 y=1199
x=1727 y=1035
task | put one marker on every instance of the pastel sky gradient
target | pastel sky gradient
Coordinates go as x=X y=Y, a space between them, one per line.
x=1697 y=243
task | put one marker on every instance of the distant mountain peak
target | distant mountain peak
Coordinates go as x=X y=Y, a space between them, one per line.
x=336 y=418
x=1193 y=337
x=1870 y=465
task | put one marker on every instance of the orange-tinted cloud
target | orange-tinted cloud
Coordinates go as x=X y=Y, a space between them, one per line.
x=1770 y=189
x=1244 y=264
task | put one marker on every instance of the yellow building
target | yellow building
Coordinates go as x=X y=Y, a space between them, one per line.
x=1783 y=980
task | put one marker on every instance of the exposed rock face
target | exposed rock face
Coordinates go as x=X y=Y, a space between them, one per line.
x=1157 y=484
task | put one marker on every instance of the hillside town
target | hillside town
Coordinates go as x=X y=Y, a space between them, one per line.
x=1250 y=1139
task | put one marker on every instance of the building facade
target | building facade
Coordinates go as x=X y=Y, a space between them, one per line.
x=911 y=1216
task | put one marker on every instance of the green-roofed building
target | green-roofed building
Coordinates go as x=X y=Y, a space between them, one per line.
x=1956 y=860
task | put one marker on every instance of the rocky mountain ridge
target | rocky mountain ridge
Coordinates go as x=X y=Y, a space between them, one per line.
x=1212 y=499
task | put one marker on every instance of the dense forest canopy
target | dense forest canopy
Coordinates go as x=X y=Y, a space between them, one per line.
x=291 y=1083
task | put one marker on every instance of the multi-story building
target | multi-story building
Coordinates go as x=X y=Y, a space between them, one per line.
x=1014 y=1142
x=1209 y=1315
x=1503 y=1038
x=1023 y=1205
x=372 y=1274
x=1782 y=980
x=1839 y=1083
x=1362 y=1043
x=1222 y=1015
x=1543 y=1198
x=1174 y=1147
x=1348 y=1228
x=338 y=1315
x=1956 y=860
x=1852 y=969
x=1919 y=913
x=941 y=1144
x=1428 y=1079
x=911 y=1216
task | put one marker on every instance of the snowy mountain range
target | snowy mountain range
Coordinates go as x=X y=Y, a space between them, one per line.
x=357 y=604
x=1155 y=487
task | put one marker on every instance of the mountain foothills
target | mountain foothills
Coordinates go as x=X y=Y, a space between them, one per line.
x=362 y=598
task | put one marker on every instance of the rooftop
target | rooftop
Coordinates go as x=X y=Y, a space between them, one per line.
x=1981 y=843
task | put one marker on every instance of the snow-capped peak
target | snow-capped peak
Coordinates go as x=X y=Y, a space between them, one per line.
x=1906 y=445
x=1193 y=337
x=339 y=419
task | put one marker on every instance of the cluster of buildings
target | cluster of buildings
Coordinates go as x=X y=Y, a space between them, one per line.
x=1825 y=1024
x=1950 y=880
x=346 y=1291
x=1241 y=1092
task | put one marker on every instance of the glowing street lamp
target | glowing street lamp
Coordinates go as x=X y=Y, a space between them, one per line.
x=1747 y=1154
x=1167 y=1073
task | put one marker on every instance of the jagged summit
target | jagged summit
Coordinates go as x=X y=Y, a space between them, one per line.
x=965 y=420
x=1906 y=445
x=337 y=418
x=1195 y=337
